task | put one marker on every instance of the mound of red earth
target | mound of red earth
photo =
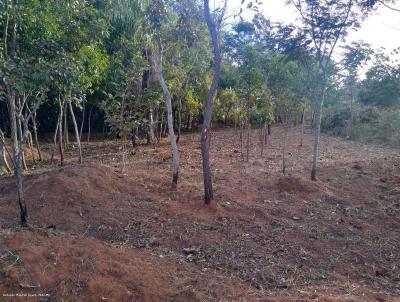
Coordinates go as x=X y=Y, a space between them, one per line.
x=293 y=184
x=63 y=198
x=80 y=269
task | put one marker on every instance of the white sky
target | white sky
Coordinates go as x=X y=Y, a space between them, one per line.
x=380 y=30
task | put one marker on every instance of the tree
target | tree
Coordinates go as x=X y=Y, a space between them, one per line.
x=156 y=15
x=324 y=24
x=355 y=56
x=208 y=108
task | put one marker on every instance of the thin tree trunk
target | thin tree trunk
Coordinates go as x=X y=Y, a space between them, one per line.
x=17 y=158
x=157 y=57
x=179 y=120
x=14 y=38
x=284 y=151
x=82 y=122
x=188 y=123
x=351 y=113
x=150 y=135
x=19 y=126
x=60 y=133
x=241 y=140
x=4 y=152
x=248 y=131
x=302 y=127
x=55 y=139
x=262 y=141
x=265 y=134
x=317 y=133
x=161 y=126
x=66 y=130
x=77 y=137
x=30 y=145
x=89 y=124
x=35 y=134
x=5 y=31
x=208 y=190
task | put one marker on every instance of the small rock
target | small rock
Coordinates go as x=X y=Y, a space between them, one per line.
x=296 y=218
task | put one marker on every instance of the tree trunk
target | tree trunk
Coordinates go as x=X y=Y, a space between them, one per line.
x=4 y=152
x=82 y=121
x=248 y=130
x=262 y=141
x=5 y=31
x=179 y=120
x=55 y=139
x=265 y=134
x=161 y=126
x=157 y=57
x=284 y=151
x=35 y=134
x=188 y=123
x=30 y=145
x=208 y=190
x=317 y=133
x=302 y=127
x=60 y=133
x=66 y=130
x=20 y=135
x=89 y=124
x=150 y=135
x=241 y=140
x=351 y=113
x=77 y=137
x=17 y=158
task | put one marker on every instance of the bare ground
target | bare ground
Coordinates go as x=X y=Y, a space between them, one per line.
x=97 y=233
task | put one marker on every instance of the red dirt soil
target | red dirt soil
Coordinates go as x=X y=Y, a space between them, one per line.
x=99 y=234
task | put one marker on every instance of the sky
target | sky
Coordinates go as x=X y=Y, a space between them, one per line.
x=380 y=30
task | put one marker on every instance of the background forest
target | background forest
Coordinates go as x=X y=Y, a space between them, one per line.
x=96 y=56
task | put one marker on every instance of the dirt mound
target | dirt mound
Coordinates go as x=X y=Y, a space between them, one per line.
x=64 y=197
x=86 y=271
x=293 y=184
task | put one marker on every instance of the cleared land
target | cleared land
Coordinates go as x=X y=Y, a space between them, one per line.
x=97 y=234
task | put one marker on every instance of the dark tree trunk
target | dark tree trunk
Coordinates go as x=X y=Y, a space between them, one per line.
x=208 y=190
x=82 y=121
x=66 y=130
x=89 y=124
x=60 y=133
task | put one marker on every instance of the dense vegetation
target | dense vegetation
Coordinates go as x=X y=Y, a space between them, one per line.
x=142 y=70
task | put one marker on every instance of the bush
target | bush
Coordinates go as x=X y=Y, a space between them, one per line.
x=370 y=124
